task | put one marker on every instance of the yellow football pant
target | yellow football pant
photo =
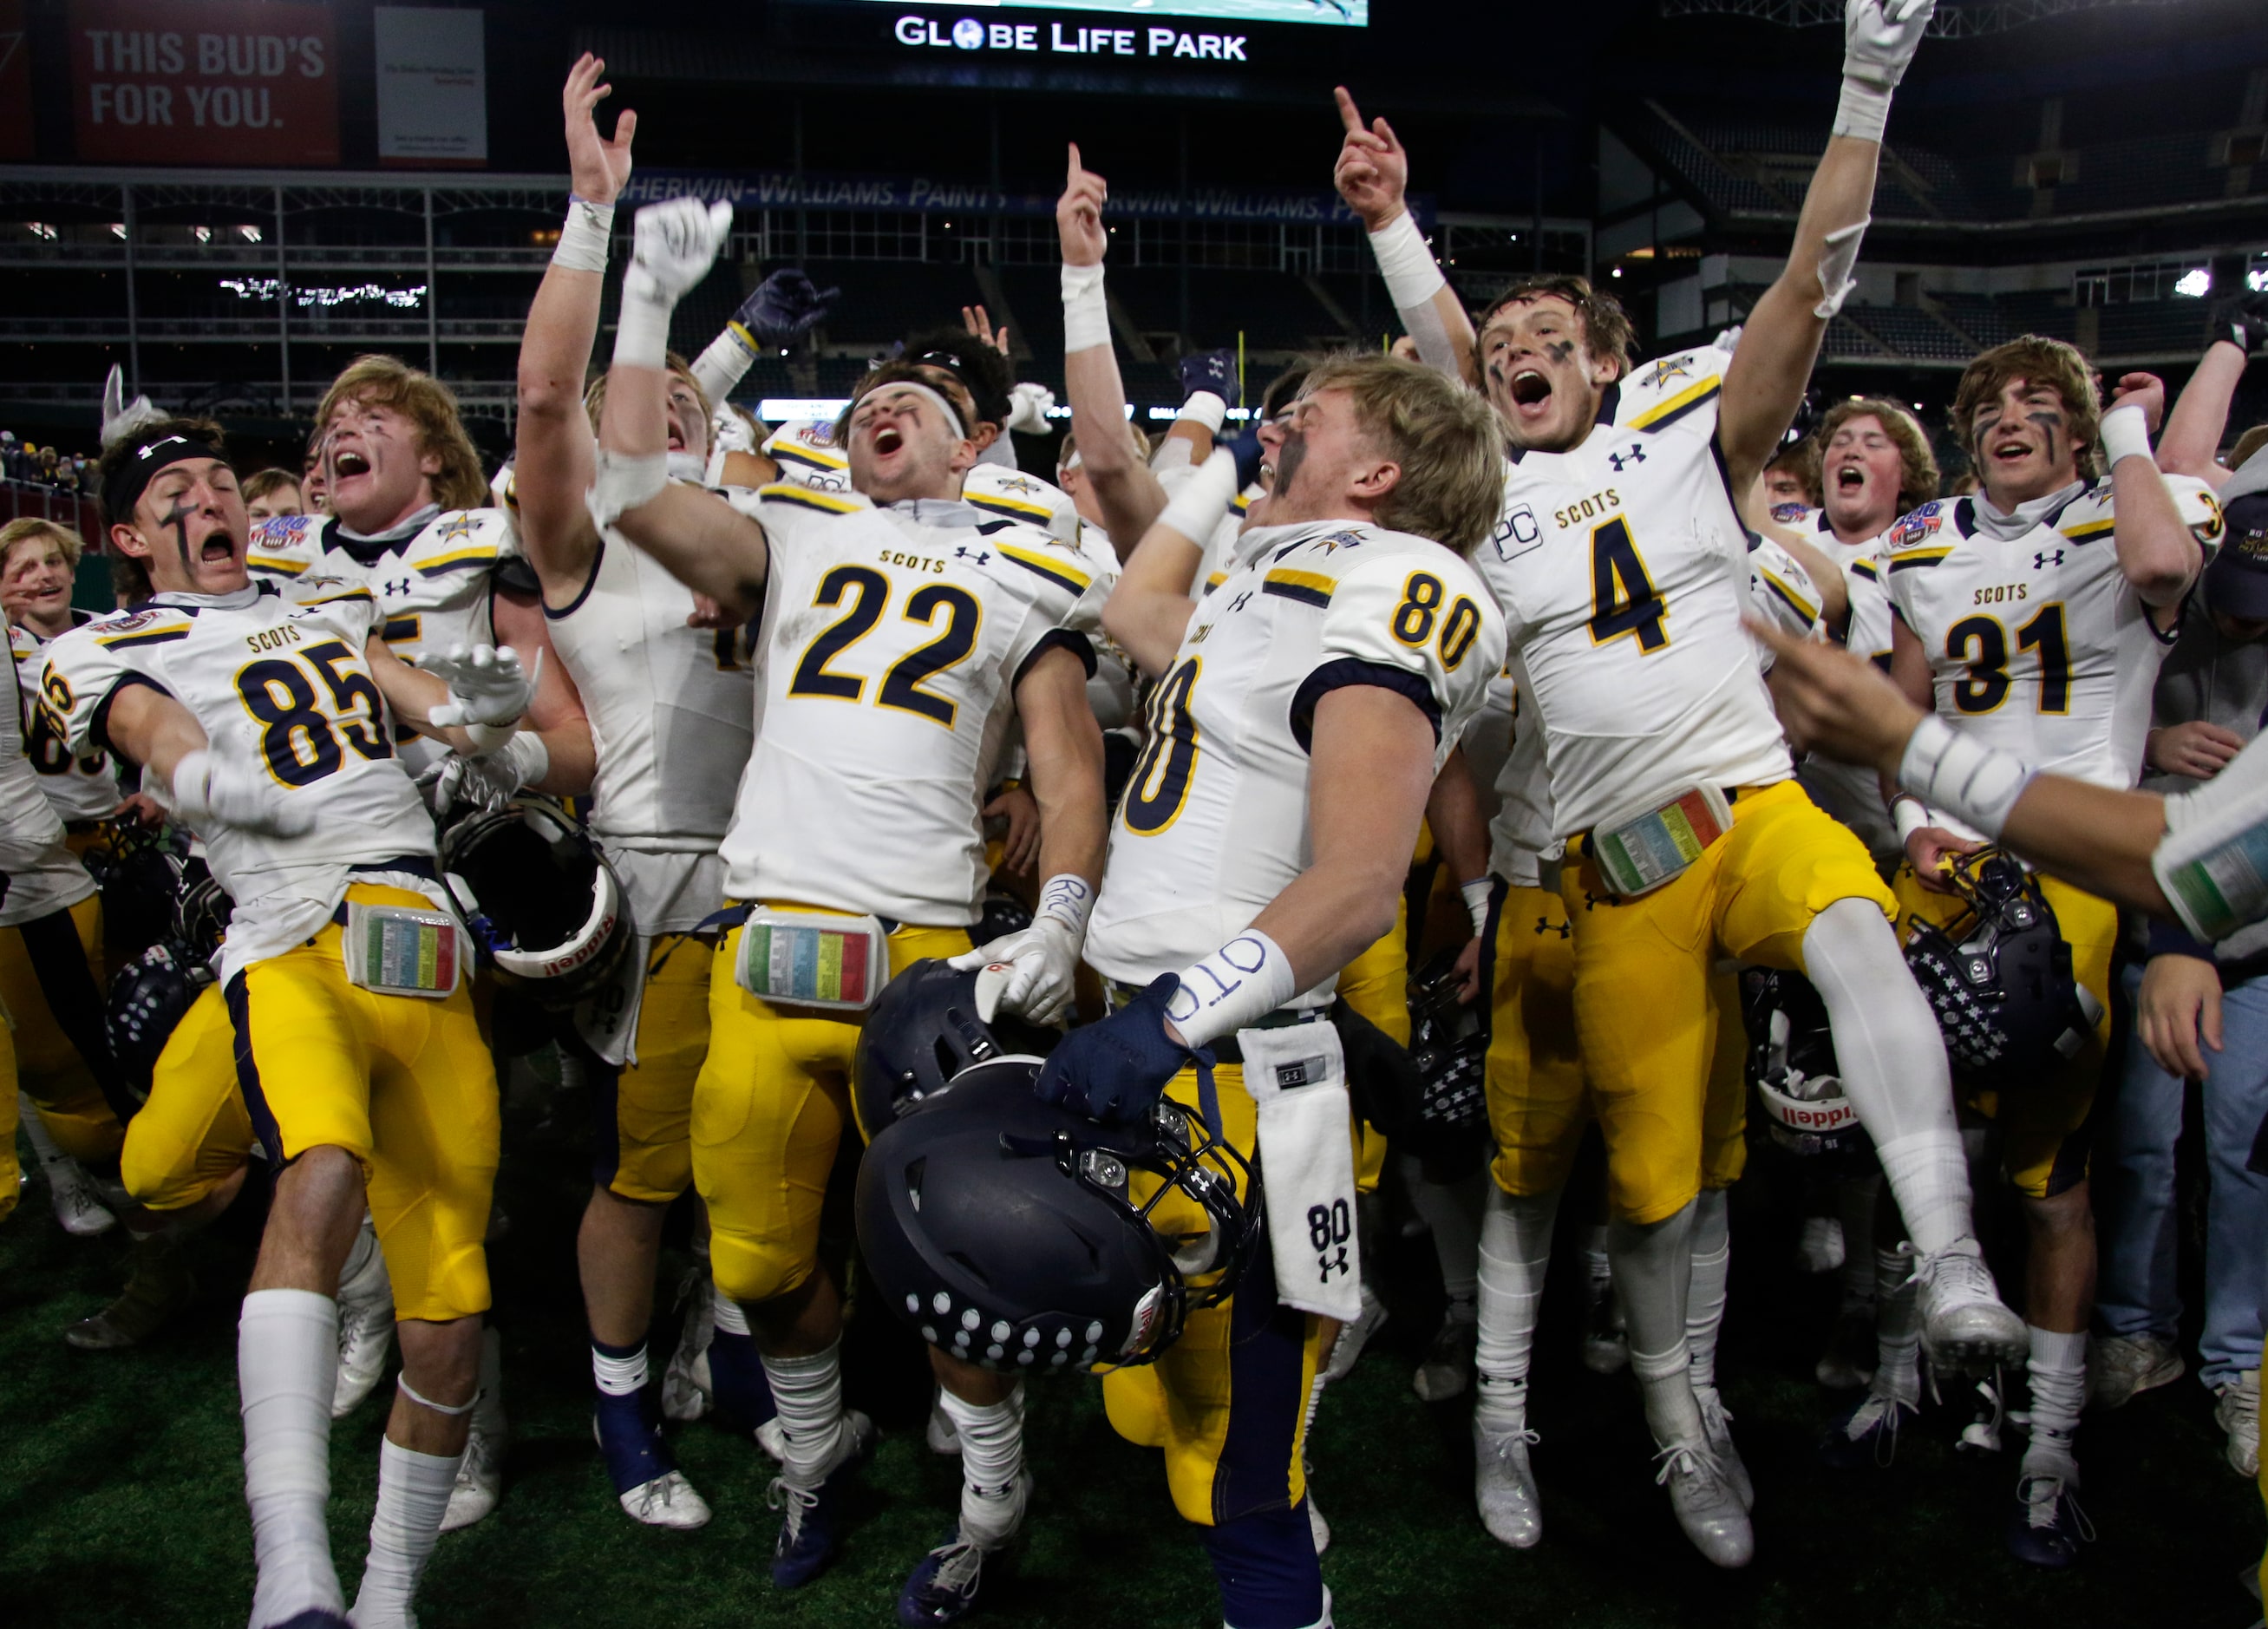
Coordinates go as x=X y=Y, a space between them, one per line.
x=194 y=1131
x=1644 y=1016
x=644 y=1137
x=402 y=1083
x=1227 y=1401
x=769 y=1109
x=48 y=1068
x=1376 y=985
x=2045 y=1129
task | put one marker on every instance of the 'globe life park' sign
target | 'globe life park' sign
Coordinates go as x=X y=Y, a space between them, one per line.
x=1068 y=39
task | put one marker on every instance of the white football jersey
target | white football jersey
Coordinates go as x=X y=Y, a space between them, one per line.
x=433 y=590
x=280 y=686
x=806 y=454
x=890 y=645
x=43 y=876
x=1623 y=571
x=670 y=706
x=1781 y=589
x=2037 y=643
x=1852 y=793
x=1218 y=560
x=81 y=788
x=1213 y=824
x=1523 y=832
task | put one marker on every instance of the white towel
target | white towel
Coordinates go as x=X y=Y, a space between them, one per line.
x=1297 y=1075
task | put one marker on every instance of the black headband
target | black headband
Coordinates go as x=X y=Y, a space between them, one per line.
x=135 y=472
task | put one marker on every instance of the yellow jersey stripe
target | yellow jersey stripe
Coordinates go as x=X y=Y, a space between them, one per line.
x=1867 y=570
x=1009 y=505
x=1061 y=573
x=1683 y=402
x=2090 y=530
x=826 y=502
x=1802 y=608
x=1907 y=558
x=1307 y=587
x=458 y=561
x=343 y=595
x=786 y=453
x=276 y=564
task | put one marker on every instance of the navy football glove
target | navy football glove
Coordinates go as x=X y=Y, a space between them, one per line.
x=2243 y=321
x=1245 y=448
x=785 y=307
x=1117 y=1070
x=1209 y=370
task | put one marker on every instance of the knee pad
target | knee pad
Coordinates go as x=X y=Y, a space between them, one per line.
x=751 y=1272
x=1266 y=1567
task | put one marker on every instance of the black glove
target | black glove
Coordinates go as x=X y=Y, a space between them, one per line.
x=1119 y=1069
x=2243 y=321
x=1209 y=370
x=785 y=307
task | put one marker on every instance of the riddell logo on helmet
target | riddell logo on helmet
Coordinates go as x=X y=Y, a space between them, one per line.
x=1800 y=1116
x=574 y=958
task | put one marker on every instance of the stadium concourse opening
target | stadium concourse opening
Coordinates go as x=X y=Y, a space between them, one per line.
x=702 y=898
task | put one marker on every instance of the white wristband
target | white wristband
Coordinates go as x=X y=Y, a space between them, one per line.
x=622 y=482
x=1974 y=783
x=1476 y=903
x=1199 y=501
x=1206 y=408
x=1412 y=277
x=2125 y=432
x=1864 y=112
x=526 y=757
x=1233 y=989
x=1067 y=899
x=584 y=236
x=725 y=363
x=1087 y=309
x=1909 y=814
x=641 y=330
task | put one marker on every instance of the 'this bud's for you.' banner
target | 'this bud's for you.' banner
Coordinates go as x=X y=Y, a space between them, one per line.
x=228 y=82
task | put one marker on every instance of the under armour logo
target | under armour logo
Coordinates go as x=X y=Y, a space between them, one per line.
x=1545 y=924
x=1590 y=902
x=396 y=588
x=1330 y=1265
x=2047 y=557
x=1240 y=601
x=980 y=557
x=1621 y=461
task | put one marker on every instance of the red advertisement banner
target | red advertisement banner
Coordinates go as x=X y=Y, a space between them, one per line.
x=223 y=81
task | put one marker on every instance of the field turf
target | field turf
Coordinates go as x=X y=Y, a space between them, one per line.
x=122 y=1494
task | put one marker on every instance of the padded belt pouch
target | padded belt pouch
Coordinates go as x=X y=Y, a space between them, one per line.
x=397 y=950
x=811 y=958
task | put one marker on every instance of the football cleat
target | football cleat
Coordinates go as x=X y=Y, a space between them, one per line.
x=669 y=1500
x=1707 y=1505
x=316 y=1618
x=685 y=1389
x=2120 y=1365
x=1819 y=1246
x=480 y=1481
x=1966 y=1328
x=1717 y=1426
x=365 y=1322
x=158 y=1284
x=1982 y=1434
x=1448 y=1366
x=2238 y=1415
x=771 y=1436
x=1848 y=1363
x=2047 y=1528
x=1504 y=1485
x=811 y=1516
x=944 y=1588
x=1866 y=1432
x=1605 y=1346
x=77 y=1206
x=1355 y=1336
x=650 y=1488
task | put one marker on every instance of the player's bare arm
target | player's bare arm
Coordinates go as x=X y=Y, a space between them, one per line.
x=2156 y=552
x=1372 y=175
x=1129 y=494
x=1062 y=753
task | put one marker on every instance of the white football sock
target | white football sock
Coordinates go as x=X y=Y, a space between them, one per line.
x=1893 y=1067
x=1704 y=1299
x=808 y=1393
x=991 y=1456
x=43 y=1141
x=1654 y=1267
x=287 y=1364
x=1897 y=1326
x=2058 y=1368
x=1515 y=1250
x=413 y=1495
x=619 y=1378
x=1854 y=1207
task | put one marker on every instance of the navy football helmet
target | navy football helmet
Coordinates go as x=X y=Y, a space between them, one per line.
x=1016 y=1234
x=926 y=1026
x=1999 y=976
x=151 y=993
x=545 y=908
x=1792 y=1065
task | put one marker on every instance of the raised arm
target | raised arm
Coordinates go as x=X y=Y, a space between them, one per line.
x=1372 y=175
x=696 y=537
x=2157 y=553
x=1780 y=341
x=1129 y=494
x=1150 y=606
x=554 y=462
x=2200 y=415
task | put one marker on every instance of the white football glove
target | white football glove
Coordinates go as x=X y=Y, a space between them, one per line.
x=1880 y=38
x=487 y=684
x=121 y=418
x=1043 y=958
x=1028 y=408
x=207 y=792
x=489 y=781
x=673 y=246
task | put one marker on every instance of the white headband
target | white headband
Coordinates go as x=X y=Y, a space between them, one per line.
x=924 y=391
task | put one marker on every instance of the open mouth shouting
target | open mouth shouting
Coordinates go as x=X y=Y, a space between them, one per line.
x=1531 y=388
x=1851 y=478
x=347 y=463
x=887 y=440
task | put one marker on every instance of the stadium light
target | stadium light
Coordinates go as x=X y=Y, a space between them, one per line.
x=2196 y=284
x=250 y=234
x=41 y=230
x=2257 y=279
x=118 y=231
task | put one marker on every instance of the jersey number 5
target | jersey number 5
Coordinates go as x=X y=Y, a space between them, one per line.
x=869 y=592
x=300 y=741
x=1623 y=599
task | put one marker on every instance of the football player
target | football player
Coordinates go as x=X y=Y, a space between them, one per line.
x=266 y=717
x=672 y=710
x=1621 y=567
x=1309 y=704
x=2034 y=616
x=900 y=630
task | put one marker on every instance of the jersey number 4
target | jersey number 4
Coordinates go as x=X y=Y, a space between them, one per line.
x=300 y=738
x=1986 y=685
x=1623 y=599
x=869 y=594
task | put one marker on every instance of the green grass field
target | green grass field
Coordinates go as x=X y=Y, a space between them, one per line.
x=122 y=1501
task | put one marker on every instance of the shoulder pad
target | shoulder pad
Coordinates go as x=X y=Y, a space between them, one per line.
x=1658 y=394
x=999 y=490
x=802 y=496
x=2090 y=515
x=1040 y=556
x=23 y=644
x=461 y=540
x=151 y=625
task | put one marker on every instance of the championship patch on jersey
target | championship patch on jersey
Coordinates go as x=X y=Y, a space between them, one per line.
x=1920 y=525
x=284 y=531
x=1791 y=512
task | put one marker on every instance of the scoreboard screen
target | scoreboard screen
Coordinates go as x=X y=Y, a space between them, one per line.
x=1338 y=13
